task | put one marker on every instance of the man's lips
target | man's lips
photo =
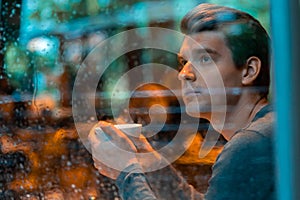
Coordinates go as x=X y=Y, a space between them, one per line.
x=191 y=92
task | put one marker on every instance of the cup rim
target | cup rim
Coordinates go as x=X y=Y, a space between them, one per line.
x=127 y=126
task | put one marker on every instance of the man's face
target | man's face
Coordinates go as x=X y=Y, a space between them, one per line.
x=207 y=71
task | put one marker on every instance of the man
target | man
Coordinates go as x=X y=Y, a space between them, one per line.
x=234 y=46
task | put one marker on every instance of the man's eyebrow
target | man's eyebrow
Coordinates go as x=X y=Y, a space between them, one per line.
x=200 y=51
x=205 y=50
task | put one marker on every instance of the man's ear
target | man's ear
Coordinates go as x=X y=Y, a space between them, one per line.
x=251 y=70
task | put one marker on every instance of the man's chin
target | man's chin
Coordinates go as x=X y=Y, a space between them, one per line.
x=197 y=111
x=193 y=114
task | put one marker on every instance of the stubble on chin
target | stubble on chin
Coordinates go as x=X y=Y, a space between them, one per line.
x=195 y=109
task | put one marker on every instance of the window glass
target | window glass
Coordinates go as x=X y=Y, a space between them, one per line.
x=66 y=64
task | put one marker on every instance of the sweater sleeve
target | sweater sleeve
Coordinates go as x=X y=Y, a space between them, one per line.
x=134 y=185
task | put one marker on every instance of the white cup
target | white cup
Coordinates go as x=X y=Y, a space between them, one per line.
x=129 y=129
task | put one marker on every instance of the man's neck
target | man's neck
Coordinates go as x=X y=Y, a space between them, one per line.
x=240 y=115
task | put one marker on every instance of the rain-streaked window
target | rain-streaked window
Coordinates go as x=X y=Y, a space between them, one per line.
x=67 y=64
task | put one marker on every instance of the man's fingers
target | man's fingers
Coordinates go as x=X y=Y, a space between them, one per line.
x=112 y=133
x=142 y=144
x=117 y=137
x=111 y=130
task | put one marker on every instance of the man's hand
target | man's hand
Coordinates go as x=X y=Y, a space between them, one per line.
x=112 y=150
x=149 y=158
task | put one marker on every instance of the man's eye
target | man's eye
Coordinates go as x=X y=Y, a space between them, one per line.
x=205 y=59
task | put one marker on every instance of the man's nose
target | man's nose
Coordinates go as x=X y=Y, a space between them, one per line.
x=187 y=73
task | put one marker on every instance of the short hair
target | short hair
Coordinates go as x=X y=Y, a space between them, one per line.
x=244 y=36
